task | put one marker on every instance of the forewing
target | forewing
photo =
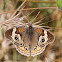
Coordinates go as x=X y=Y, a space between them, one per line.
x=15 y=34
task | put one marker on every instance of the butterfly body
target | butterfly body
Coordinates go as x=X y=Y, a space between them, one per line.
x=29 y=40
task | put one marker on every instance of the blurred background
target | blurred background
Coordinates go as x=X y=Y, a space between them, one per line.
x=51 y=17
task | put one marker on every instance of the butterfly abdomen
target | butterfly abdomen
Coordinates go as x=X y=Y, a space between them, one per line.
x=30 y=32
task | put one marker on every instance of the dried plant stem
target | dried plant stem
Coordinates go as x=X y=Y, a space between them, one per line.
x=20 y=7
x=40 y=1
x=41 y=8
x=30 y=9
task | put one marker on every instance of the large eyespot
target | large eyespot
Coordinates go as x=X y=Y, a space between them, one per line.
x=42 y=40
x=16 y=38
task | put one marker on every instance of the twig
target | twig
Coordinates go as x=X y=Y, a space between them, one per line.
x=20 y=7
x=40 y=1
x=30 y=9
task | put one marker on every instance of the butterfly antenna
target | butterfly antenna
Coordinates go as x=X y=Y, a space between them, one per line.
x=27 y=16
x=35 y=17
x=30 y=14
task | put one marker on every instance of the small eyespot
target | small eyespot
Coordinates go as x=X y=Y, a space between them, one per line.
x=21 y=44
x=16 y=38
x=35 y=48
x=26 y=49
x=43 y=40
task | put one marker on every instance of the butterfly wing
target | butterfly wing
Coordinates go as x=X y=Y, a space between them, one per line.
x=39 y=40
x=15 y=34
x=44 y=38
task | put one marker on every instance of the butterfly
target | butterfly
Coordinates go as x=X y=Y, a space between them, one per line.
x=28 y=38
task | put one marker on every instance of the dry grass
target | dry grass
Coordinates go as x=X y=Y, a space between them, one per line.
x=49 y=12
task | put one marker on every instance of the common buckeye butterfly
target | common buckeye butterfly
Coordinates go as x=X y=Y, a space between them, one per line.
x=28 y=38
